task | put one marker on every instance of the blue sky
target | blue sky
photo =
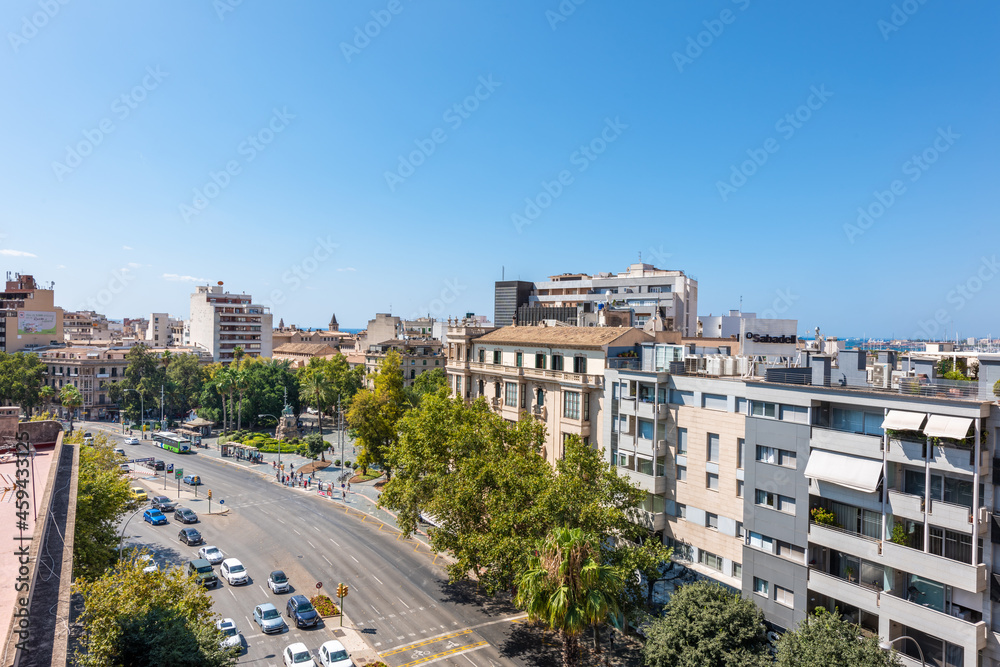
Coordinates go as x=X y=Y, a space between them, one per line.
x=148 y=147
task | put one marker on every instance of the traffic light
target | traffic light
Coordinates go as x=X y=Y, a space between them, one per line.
x=341 y=591
x=210 y=494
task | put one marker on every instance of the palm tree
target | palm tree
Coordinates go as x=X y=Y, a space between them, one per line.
x=568 y=588
x=46 y=393
x=317 y=386
x=240 y=382
x=71 y=398
x=224 y=383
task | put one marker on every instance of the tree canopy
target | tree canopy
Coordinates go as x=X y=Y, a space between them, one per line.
x=707 y=625
x=21 y=379
x=375 y=414
x=825 y=640
x=134 y=618
x=103 y=499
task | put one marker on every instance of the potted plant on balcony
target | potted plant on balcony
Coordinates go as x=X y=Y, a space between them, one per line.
x=899 y=535
x=849 y=571
x=996 y=390
x=823 y=517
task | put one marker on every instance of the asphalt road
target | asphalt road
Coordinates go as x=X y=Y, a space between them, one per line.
x=399 y=597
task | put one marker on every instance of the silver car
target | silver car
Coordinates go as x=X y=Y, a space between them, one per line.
x=211 y=554
x=267 y=617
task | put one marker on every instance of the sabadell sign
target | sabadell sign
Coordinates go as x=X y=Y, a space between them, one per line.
x=770 y=338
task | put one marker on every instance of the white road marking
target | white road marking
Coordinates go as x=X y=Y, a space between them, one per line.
x=401 y=601
x=376 y=610
x=280 y=519
x=232 y=593
x=317 y=529
x=326 y=559
x=334 y=541
x=265 y=511
x=376 y=579
x=311 y=544
x=261 y=589
x=355 y=560
x=296 y=532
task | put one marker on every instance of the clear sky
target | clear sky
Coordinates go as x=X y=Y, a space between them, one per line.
x=351 y=156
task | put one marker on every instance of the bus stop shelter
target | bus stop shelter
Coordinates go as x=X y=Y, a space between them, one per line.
x=241 y=452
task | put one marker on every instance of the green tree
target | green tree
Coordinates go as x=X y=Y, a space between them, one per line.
x=133 y=618
x=430 y=382
x=706 y=625
x=315 y=387
x=185 y=383
x=317 y=445
x=46 y=393
x=103 y=499
x=375 y=413
x=22 y=376
x=825 y=640
x=567 y=587
x=71 y=399
x=643 y=562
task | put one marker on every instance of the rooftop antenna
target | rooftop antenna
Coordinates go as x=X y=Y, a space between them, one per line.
x=502 y=272
x=640 y=257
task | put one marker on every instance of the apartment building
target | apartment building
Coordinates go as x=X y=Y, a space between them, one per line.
x=555 y=374
x=508 y=296
x=163 y=330
x=417 y=356
x=84 y=326
x=220 y=322
x=29 y=317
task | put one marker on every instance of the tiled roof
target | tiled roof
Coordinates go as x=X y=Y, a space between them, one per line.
x=304 y=348
x=561 y=336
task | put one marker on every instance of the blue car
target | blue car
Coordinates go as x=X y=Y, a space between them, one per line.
x=155 y=517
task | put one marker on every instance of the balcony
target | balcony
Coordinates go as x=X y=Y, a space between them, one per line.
x=956 y=517
x=906 y=505
x=582 y=379
x=947 y=571
x=839 y=539
x=104 y=375
x=843 y=442
x=539 y=412
x=905 y=451
x=654 y=485
x=958 y=459
x=933 y=622
x=649 y=520
x=843 y=590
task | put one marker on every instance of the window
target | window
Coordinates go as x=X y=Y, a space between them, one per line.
x=510 y=394
x=795 y=413
x=714 y=402
x=645 y=466
x=482 y=356
x=458 y=385
x=586 y=408
x=539 y=360
x=737 y=571
x=741 y=445
x=713 y=447
x=557 y=362
x=571 y=404
x=856 y=421
x=740 y=530
x=579 y=364
x=709 y=559
x=775 y=456
x=519 y=359
x=645 y=429
x=682 y=441
x=711 y=520
x=739 y=488
x=762 y=542
x=761 y=409
x=496 y=357
x=682 y=511
x=712 y=481
x=682 y=473
x=775 y=501
x=760 y=586
x=790 y=552
x=784 y=596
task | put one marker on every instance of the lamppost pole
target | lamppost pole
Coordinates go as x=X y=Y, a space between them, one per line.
x=264 y=414
x=142 y=412
x=122 y=536
x=887 y=645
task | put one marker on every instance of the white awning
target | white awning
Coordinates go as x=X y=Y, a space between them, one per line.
x=939 y=426
x=849 y=471
x=898 y=420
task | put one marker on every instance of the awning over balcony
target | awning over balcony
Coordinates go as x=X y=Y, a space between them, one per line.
x=852 y=472
x=898 y=420
x=939 y=426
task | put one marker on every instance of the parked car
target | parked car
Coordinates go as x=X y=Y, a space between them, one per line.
x=189 y=536
x=163 y=503
x=139 y=493
x=233 y=638
x=192 y=480
x=333 y=654
x=211 y=554
x=131 y=441
x=185 y=515
x=148 y=564
x=124 y=467
x=233 y=572
x=156 y=465
x=267 y=617
x=203 y=572
x=155 y=517
x=297 y=655
x=278 y=582
x=301 y=611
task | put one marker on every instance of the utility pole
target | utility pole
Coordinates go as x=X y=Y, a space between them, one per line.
x=161 y=407
x=340 y=432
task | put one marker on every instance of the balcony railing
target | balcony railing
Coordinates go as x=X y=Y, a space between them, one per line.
x=938 y=388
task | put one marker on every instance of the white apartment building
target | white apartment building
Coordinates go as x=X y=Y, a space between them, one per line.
x=221 y=321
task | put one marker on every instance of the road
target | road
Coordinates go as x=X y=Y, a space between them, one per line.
x=399 y=597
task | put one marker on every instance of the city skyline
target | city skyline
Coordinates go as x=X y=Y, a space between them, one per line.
x=406 y=156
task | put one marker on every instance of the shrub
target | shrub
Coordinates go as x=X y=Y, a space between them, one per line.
x=996 y=388
x=337 y=463
x=324 y=605
x=823 y=517
x=899 y=533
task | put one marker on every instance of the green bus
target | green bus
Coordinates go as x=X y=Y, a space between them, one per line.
x=172 y=442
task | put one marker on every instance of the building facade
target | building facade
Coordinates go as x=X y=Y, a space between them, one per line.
x=220 y=322
x=416 y=356
x=508 y=296
x=30 y=318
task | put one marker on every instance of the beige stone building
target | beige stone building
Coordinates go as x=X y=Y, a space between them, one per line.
x=30 y=317
x=417 y=356
x=299 y=354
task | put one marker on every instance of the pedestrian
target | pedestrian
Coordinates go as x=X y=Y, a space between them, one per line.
x=343 y=496
x=348 y=487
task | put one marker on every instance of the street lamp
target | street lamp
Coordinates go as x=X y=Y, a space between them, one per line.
x=142 y=413
x=886 y=645
x=278 y=439
x=122 y=536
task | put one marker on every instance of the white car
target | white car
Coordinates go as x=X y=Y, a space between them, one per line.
x=148 y=564
x=119 y=450
x=297 y=654
x=211 y=554
x=333 y=654
x=233 y=572
x=131 y=441
x=227 y=626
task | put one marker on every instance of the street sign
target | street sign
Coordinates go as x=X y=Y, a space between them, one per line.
x=178 y=473
x=222 y=502
x=319 y=584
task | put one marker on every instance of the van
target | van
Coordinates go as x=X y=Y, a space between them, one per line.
x=203 y=572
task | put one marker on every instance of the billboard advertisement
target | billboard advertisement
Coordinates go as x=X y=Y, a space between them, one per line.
x=768 y=338
x=31 y=322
